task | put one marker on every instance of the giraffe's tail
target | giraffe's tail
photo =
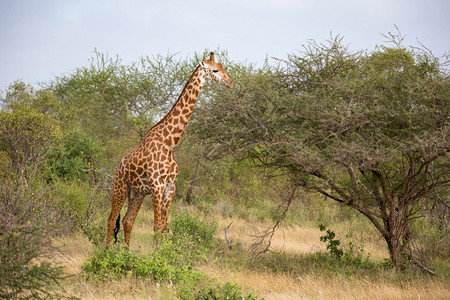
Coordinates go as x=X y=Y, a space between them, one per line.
x=116 y=229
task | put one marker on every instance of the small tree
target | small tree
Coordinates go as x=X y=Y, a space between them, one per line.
x=28 y=126
x=368 y=130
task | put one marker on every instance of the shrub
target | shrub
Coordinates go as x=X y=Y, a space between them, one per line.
x=20 y=276
x=83 y=206
x=27 y=221
x=172 y=262
x=333 y=245
x=76 y=156
x=229 y=291
x=27 y=127
x=113 y=263
x=354 y=255
x=193 y=235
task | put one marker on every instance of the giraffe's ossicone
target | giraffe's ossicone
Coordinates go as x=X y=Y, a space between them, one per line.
x=150 y=169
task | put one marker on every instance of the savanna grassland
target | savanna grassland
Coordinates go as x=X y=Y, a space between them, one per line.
x=298 y=267
x=324 y=175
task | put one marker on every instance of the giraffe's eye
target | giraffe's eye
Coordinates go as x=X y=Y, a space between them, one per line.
x=215 y=71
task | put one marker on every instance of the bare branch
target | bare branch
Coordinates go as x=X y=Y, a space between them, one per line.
x=226 y=236
x=265 y=237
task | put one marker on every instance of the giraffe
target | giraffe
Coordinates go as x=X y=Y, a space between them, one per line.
x=150 y=169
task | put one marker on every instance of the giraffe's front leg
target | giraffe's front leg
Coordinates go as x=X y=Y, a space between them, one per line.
x=169 y=192
x=157 y=194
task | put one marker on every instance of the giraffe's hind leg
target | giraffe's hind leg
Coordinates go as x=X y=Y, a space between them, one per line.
x=118 y=196
x=134 y=204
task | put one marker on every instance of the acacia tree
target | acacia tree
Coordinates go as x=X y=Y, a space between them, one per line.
x=368 y=130
x=108 y=97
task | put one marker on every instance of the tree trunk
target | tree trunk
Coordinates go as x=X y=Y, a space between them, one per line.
x=396 y=252
x=397 y=239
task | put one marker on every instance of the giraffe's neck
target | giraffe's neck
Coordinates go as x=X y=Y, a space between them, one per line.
x=170 y=129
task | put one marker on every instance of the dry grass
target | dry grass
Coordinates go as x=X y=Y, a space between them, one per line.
x=295 y=239
x=271 y=286
x=74 y=250
x=124 y=289
x=291 y=240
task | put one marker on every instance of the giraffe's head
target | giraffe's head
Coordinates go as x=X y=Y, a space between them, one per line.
x=215 y=71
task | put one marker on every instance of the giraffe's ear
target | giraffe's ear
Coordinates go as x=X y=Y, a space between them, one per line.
x=202 y=63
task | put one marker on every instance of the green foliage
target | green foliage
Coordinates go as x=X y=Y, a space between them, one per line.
x=21 y=278
x=6 y=170
x=113 y=263
x=354 y=255
x=28 y=126
x=44 y=101
x=111 y=99
x=172 y=261
x=367 y=130
x=228 y=291
x=83 y=206
x=166 y=265
x=333 y=245
x=190 y=239
x=187 y=227
x=27 y=224
x=76 y=156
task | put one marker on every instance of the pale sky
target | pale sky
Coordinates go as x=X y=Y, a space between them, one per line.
x=40 y=40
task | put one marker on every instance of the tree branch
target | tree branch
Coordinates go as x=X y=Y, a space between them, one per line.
x=268 y=234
